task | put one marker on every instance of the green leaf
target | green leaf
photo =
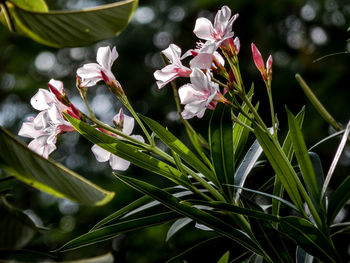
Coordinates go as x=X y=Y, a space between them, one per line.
x=280 y=165
x=46 y=175
x=32 y=5
x=246 y=166
x=241 y=133
x=72 y=28
x=221 y=147
x=139 y=205
x=6 y=184
x=112 y=231
x=225 y=257
x=196 y=214
x=237 y=210
x=339 y=199
x=127 y=151
x=309 y=238
x=267 y=236
x=302 y=257
x=317 y=166
x=177 y=226
x=303 y=158
x=16 y=228
x=288 y=150
x=178 y=147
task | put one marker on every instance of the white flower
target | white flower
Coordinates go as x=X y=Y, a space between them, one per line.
x=92 y=73
x=173 y=70
x=219 y=31
x=201 y=94
x=44 y=129
x=117 y=163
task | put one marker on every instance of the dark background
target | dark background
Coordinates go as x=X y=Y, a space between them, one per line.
x=296 y=33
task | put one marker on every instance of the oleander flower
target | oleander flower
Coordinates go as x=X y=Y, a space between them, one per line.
x=174 y=69
x=199 y=95
x=92 y=73
x=266 y=73
x=126 y=124
x=219 y=31
x=44 y=129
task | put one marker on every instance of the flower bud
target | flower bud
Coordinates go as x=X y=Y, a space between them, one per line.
x=269 y=63
x=236 y=45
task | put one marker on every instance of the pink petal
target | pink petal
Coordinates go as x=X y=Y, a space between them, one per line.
x=188 y=94
x=204 y=29
x=58 y=85
x=101 y=154
x=222 y=17
x=28 y=130
x=105 y=57
x=202 y=61
x=258 y=60
x=173 y=53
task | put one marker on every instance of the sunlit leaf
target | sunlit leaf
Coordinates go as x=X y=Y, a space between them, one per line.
x=71 y=28
x=177 y=226
x=225 y=257
x=46 y=175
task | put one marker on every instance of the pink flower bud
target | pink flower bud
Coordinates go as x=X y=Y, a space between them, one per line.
x=258 y=60
x=237 y=45
x=269 y=63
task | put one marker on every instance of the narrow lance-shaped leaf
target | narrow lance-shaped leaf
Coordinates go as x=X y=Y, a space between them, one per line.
x=111 y=231
x=72 y=28
x=221 y=147
x=46 y=175
x=127 y=151
x=196 y=214
x=309 y=238
x=303 y=158
x=178 y=147
x=338 y=199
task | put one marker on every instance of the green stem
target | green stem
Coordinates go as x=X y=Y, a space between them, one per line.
x=7 y=15
x=268 y=87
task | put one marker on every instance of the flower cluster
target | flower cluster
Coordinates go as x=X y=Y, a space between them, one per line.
x=203 y=92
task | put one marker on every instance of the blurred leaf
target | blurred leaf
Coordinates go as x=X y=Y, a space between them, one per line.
x=246 y=166
x=178 y=147
x=255 y=259
x=24 y=255
x=221 y=147
x=317 y=104
x=281 y=166
x=46 y=175
x=32 y=5
x=338 y=199
x=127 y=151
x=309 y=238
x=303 y=158
x=72 y=28
x=225 y=257
x=177 y=226
x=111 y=231
x=199 y=216
x=6 y=183
x=303 y=257
x=340 y=228
x=16 y=228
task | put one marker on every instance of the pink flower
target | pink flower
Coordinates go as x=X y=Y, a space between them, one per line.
x=174 y=69
x=220 y=30
x=44 y=129
x=201 y=94
x=126 y=124
x=92 y=73
x=266 y=73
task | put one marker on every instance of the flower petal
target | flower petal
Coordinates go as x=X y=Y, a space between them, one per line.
x=203 y=29
x=105 y=57
x=101 y=154
x=42 y=100
x=118 y=163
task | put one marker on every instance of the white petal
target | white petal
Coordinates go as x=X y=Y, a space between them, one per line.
x=173 y=53
x=42 y=100
x=203 y=29
x=222 y=17
x=138 y=137
x=90 y=74
x=199 y=80
x=128 y=126
x=188 y=94
x=101 y=154
x=105 y=57
x=57 y=84
x=219 y=58
x=28 y=130
x=118 y=163
x=202 y=61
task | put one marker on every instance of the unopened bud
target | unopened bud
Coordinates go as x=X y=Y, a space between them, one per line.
x=269 y=63
x=258 y=60
x=118 y=120
x=237 y=45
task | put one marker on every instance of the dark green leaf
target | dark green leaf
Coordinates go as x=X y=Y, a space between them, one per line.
x=47 y=175
x=225 y=257
x=338 y=199
x=303 y=158
x=309 y=238
x=111 y=231
x=281 y=166
x=177 y=226
x=196 y=214
x=221 y=147
x=127 y=151
x=302 y=257
x=178 y=147
x=73 y=28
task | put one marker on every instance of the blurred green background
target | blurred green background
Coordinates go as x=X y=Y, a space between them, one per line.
x=295 y=32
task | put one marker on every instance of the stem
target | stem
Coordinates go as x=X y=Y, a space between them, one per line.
x=8 y=18
x=268 y=87
x=83 y=96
